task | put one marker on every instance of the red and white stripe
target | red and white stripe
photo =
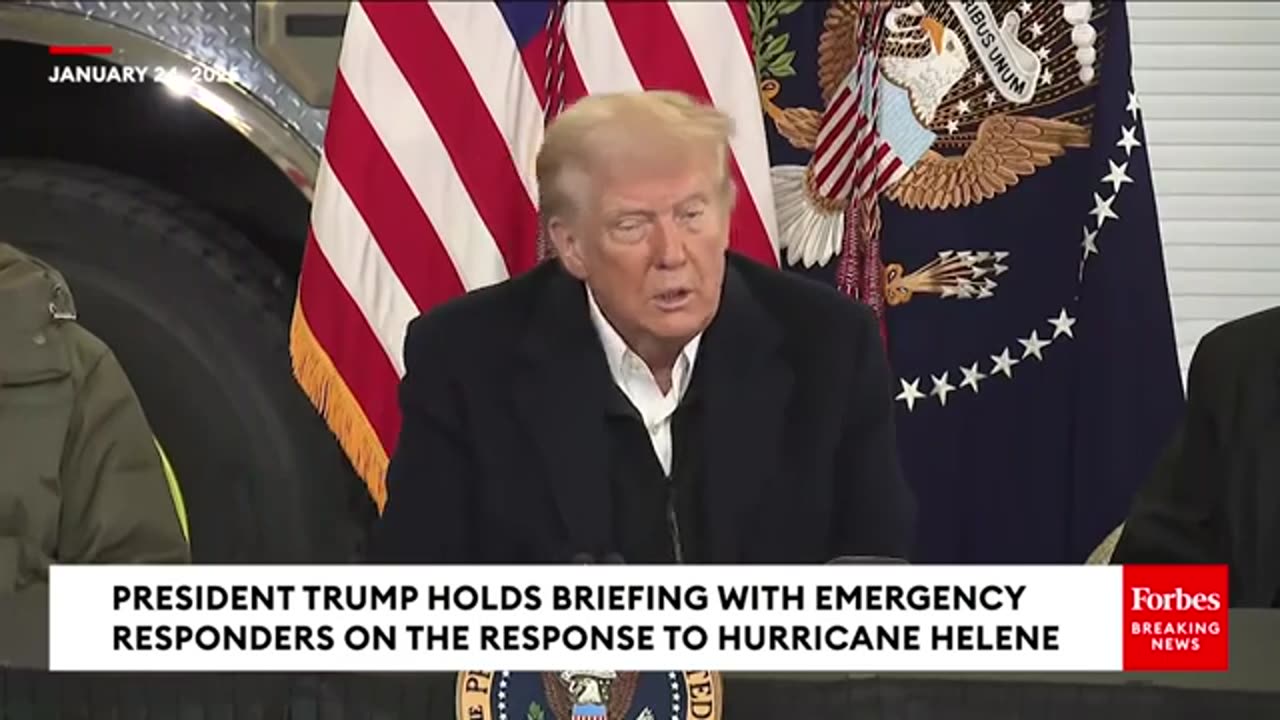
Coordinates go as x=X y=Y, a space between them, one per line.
x=850 y=158
x=426 y=187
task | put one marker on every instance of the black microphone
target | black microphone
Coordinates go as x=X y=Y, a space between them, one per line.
x=866 y=560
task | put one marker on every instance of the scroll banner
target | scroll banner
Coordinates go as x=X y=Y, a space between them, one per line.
x=881 y=618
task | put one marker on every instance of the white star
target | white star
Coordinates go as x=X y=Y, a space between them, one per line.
x=1133 y=107
x=962 y=107
x=1117 y=176
x=1043 y=55
x=910 y=393
x=1003 y=363
x=1036 y=29
x=1128 y=141
x=1090 y=243
x=1046 y=77
x=1033 y=345
x=502 y=706
x=1102 y=209
x=1062 y=324
x=978 y=79
x=989 y=98
x=953 y=127
x=972 y=376
x=941 y=387
x=1024 y=8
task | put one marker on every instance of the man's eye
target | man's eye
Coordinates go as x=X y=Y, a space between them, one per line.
x=629 y=230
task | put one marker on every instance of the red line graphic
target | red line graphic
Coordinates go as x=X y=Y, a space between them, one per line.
x=80 y=50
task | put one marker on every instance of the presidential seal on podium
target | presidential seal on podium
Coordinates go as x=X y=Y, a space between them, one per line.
x=589 y=695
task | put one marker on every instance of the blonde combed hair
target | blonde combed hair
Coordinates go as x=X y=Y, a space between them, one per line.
x=581 y=135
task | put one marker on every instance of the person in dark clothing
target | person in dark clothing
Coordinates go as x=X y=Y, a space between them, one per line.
x=1215 y=495
x=648 y=395
x=82 y=479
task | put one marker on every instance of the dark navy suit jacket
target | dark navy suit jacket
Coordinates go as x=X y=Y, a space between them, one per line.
x=502 y=455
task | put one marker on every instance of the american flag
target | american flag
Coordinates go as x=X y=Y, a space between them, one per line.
x=426 y=187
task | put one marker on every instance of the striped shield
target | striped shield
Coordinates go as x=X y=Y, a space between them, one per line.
x=590 y=712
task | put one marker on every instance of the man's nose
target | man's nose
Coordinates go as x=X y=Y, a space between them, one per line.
x=669 y=244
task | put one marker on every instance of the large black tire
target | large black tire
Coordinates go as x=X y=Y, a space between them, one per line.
x=199 y=319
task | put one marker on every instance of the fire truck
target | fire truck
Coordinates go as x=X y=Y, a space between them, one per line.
x=174 y=194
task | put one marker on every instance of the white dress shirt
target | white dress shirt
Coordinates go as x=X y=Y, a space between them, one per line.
x=636 y=381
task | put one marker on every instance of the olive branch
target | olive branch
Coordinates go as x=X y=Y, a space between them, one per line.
x=772 y=58
x=535 y=712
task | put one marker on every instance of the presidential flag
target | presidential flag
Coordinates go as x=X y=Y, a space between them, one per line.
x=426 y=186
x=1005 y=229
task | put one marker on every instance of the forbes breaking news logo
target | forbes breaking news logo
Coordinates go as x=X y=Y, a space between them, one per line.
x=1175 y=617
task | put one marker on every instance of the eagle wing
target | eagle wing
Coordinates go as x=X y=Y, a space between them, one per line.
x=621 y=693
x=1007 y=148
x=837 y=46
x=557 y=696
x=799 y=125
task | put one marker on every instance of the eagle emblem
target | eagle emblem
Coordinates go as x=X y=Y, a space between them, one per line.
x=589 y=695
x=958 y=103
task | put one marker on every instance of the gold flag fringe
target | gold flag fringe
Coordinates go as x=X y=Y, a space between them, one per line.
x=324 y=386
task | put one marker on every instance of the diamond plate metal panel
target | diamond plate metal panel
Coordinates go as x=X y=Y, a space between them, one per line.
x=218 y=34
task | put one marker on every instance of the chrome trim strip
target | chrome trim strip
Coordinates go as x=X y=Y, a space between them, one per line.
x=229 y=101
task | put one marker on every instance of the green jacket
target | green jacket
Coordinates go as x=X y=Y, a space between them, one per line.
x=81 y=478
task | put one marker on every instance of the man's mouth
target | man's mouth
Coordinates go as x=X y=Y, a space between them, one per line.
x=671 y=299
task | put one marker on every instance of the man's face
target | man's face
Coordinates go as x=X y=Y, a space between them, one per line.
x=651 y=247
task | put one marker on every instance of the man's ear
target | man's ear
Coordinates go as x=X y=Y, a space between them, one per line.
x=568 y=247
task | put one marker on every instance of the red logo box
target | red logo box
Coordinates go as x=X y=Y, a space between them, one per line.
x=1175 y=617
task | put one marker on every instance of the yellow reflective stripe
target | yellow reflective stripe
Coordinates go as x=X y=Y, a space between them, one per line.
x=174 y=491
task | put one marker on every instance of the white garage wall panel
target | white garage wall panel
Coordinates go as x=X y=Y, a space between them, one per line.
x=1208 y=79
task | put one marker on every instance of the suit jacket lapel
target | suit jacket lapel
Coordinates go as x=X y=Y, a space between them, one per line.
x=748 y=385
x=559 y=394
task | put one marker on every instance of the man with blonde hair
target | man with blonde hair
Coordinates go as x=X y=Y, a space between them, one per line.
x=649 y=395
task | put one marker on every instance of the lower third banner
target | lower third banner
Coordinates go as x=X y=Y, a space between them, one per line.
x=651 y=618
